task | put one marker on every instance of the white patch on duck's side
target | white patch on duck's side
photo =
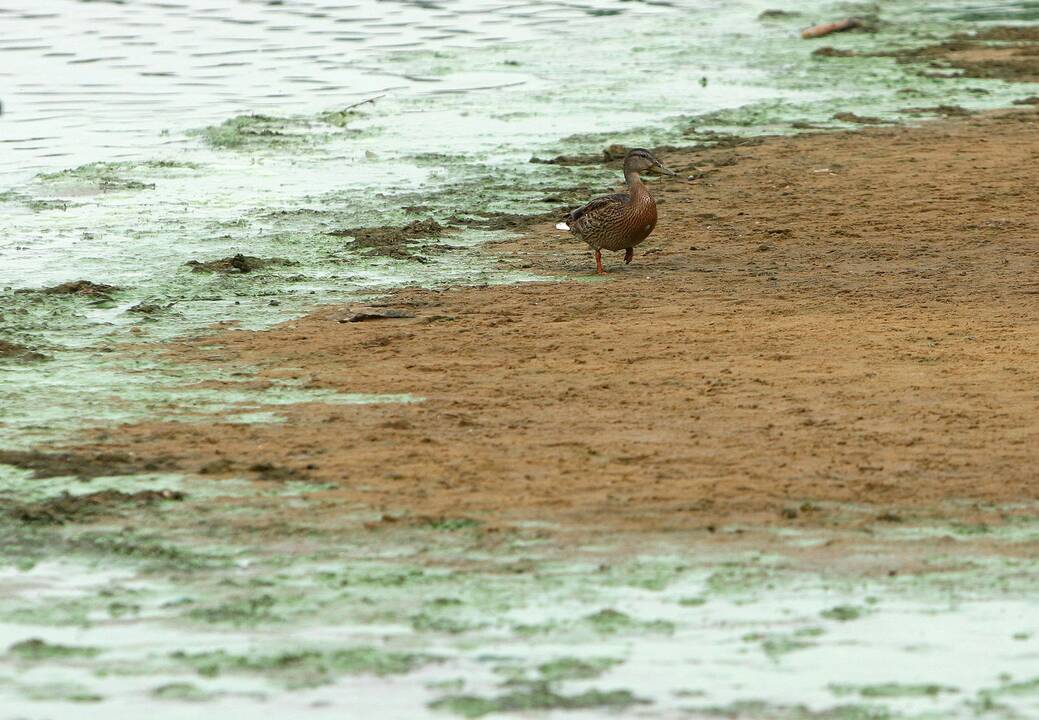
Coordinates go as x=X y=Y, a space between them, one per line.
x=562 y=226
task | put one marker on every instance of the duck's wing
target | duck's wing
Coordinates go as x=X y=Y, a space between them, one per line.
x=587 y=219
x=607 y=204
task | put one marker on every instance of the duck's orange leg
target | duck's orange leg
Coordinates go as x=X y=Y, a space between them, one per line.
x=598 y=263
x=629 y=253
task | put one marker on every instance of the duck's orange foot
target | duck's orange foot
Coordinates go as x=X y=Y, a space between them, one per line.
x=629 y=253
x=598 y=263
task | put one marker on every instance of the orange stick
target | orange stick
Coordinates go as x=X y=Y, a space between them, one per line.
x=817 y=31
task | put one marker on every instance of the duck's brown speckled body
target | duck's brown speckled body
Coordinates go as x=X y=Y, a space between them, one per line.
x=622 y=220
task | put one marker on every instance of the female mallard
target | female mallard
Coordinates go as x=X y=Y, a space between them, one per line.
x=622 y=220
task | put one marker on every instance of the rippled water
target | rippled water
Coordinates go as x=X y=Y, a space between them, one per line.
x=104 y=81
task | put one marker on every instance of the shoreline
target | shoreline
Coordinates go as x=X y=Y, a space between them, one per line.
x=798 y=335
x=795 y=437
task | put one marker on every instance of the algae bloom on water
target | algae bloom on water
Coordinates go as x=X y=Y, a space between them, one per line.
x=537 y=696
x=256 y=131
x=36 y=649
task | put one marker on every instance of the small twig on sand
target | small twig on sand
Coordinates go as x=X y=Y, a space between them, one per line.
x=818 y=31
x=363 y=102
x=688 y=179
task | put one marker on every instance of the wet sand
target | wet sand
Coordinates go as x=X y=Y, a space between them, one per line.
x=819 y=323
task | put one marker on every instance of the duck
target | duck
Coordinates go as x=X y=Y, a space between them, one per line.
x=622 y=220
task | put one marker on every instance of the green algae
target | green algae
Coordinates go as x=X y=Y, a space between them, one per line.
x=647 y=575
x=843 y=613
x=108 y=177
x=736 y=578
x=1021 y=687
x=249 y=611
x=536 y=697
x=893 y=690
x=182 y=692
x=23 y=545
x=604 y=622
x=570 y=668
x=754 y=115
x=760 y=710
x=37 y=650
x=123 y=609
x=379 y=577
x=611 y=622
x=257 y=131
x=44 y=205
x=391 y=591
x=428 y=622
x=153 y=553
x=454 y=685
x=58 y=613
x=247 y=131
x=777 y=645
x=63 y=692
x=305 y=668
x=339 y=118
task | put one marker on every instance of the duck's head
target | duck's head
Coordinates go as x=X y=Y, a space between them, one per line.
x=640 y=160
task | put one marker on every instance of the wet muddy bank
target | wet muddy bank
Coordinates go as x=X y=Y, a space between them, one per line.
x=702 y=165
x=696 y=363
x=1009 y=53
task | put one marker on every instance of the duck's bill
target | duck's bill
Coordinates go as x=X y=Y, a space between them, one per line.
x=663 y=170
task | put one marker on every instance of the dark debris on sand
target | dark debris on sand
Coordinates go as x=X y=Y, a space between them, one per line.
x=85 y=288
x=278 y=473
x=377 y=314
x=858 y=119
x=1006 y=33
x=84 y=466
x=14 y=351
x=943 y=110
x=393 y=241
x=777 y=14
x=77 y=508
x=509 y=221
x=237 y=264
x=834 y=52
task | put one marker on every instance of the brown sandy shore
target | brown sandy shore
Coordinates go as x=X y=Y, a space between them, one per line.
x=829 y=319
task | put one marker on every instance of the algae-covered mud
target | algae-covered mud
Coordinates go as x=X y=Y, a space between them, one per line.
x=172 y=168
x=440 y=618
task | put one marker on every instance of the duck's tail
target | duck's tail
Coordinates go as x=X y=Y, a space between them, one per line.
x=562 y=226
